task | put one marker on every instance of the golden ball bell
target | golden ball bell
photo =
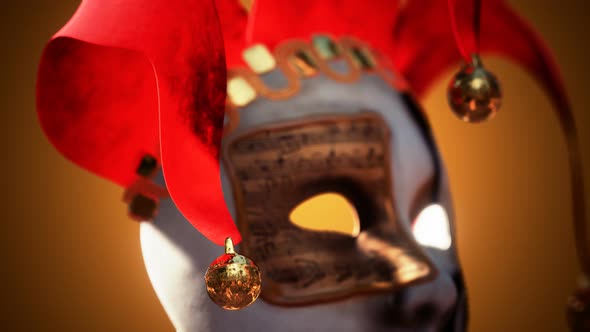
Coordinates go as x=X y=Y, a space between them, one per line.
x=233 y=281
x=474 y=93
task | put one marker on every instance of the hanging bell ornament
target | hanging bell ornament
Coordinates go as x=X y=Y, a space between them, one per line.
x=474 y=93
x=578 y=308
x=233 y=281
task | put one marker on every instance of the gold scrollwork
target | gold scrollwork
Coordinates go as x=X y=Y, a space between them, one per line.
x=298 y=59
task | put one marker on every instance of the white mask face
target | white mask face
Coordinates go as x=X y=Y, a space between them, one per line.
x=177 y=256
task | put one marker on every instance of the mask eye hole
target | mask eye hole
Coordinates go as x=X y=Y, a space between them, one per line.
x=431 y=227
x=327 y=212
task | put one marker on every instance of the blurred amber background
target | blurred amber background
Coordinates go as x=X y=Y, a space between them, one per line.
x=72 y=257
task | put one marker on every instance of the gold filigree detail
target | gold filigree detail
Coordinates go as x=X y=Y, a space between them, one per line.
x=344 y=61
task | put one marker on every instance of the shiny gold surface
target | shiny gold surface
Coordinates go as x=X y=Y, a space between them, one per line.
x=233 y=281
x=246 y=4
x=259 y=58
x=275 y=169
x=304 y=63
x=474 y=93
x=239 y=91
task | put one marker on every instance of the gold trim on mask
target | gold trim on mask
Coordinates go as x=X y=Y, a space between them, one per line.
x=299 y=59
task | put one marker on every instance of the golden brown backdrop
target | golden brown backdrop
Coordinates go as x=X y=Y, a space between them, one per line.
x=74 y=261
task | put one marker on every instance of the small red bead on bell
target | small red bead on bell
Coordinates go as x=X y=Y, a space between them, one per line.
x=233 y=281
x=474 y=93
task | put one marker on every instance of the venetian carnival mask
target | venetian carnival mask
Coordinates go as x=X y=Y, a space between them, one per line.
x=362 y=139
x=257 y=112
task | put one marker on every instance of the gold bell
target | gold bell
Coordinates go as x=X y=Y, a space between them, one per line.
x=474 y=93
x=233 y=281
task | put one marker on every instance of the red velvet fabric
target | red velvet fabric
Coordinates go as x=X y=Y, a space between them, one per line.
x=126 y=78
x=425 y=44
x=371 y=21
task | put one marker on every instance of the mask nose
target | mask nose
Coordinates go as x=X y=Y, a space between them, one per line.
x=417 y=303
x=424 y=305
x=388 y=241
